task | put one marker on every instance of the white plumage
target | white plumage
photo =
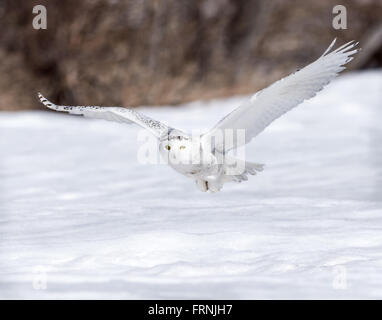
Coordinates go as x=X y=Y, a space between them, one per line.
x=213 y=166
x=269 y=104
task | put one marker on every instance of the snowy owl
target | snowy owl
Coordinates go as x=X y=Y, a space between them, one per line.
x=209 y=164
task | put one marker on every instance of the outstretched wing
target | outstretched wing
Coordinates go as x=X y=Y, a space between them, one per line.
x=117 y=114
x=269 y=104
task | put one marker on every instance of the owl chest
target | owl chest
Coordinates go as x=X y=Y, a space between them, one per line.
x=199 y=171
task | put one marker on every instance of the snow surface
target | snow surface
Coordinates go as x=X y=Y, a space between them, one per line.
x=82 y=217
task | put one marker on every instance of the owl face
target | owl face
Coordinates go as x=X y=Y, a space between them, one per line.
x=177 y=150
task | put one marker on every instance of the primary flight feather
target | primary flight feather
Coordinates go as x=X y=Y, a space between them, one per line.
x=208 y=163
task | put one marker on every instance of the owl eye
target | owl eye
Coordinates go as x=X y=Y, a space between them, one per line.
x=167 y=147
x=182 y=147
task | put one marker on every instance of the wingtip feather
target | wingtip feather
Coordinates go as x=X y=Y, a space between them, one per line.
x=330 y=46
x=45 y=101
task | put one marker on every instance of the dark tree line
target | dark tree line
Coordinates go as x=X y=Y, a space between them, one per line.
x=150 y=52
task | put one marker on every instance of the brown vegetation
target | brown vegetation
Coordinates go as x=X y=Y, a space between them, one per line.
x=153 y=52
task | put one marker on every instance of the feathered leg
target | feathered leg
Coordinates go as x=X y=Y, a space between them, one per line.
x=202 y=185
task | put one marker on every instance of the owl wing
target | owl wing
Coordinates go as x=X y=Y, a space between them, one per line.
x=272 y=102
x=118 y=114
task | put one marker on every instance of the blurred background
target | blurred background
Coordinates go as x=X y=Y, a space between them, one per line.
x=151 y=52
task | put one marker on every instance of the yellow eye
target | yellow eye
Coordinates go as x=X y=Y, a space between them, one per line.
x=182 y=147
x=167 y=147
